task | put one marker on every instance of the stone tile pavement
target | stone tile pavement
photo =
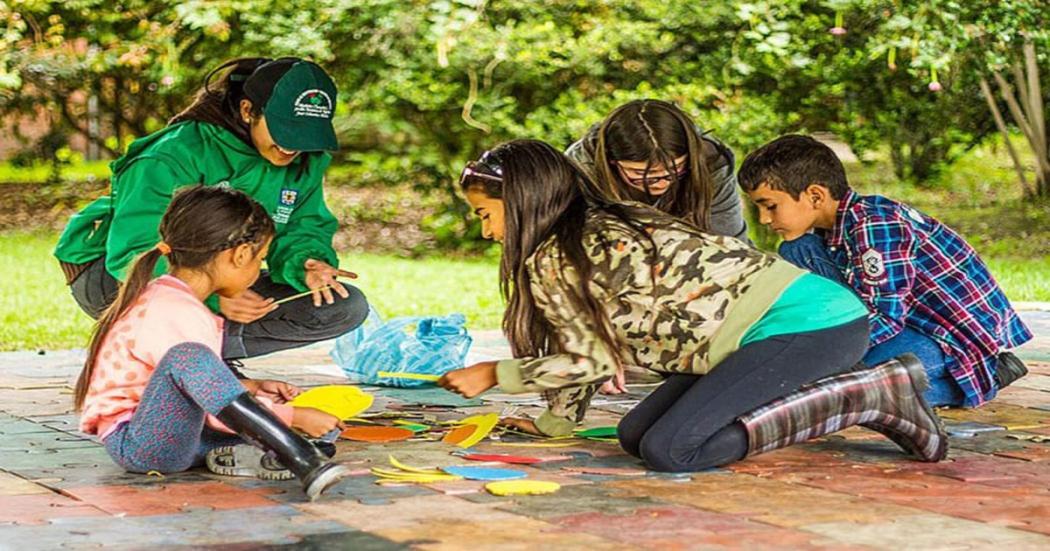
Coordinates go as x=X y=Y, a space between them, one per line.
x=852 y=490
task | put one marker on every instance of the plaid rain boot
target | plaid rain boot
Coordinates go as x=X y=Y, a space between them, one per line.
x=886 y=398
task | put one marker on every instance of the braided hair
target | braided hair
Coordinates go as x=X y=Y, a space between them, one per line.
x=200 y=223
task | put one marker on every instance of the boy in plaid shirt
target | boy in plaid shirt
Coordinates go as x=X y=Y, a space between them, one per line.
x=926 y=289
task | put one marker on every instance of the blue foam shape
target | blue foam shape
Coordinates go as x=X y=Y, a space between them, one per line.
x=471 y=472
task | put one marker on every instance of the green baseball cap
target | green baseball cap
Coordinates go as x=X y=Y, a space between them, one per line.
x=298 y=99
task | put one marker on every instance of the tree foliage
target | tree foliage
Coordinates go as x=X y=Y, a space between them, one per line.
x=427 y=84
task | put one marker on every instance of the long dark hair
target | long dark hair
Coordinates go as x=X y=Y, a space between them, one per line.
x=546 y=196
x=218 y=101
x=655 y=132
x=200 y=223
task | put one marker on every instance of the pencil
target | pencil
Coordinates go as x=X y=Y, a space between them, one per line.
x=301 y=295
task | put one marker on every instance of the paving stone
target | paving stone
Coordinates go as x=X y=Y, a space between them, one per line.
x=431 y=507
x=39 y=508
x=684 y=528
x=784 y=459
x=11 y=425
x=986 y=470
x=66 y=422
x=969 y=429
x=987 y=443
x=1024 y=397
x=11 y=485
x=852 y=489
x=1024 y=507
x=522 y=534
x=763 y=500
x=364 y=490
x=342 y=541
x=168 y=498
x=576 y=499
x=1005 y=415
x=233 y=528
x=1034 y=381
x=928 y=531
x=1031 y=452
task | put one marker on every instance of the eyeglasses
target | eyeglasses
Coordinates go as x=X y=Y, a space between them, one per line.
x=485 y=168
x=633 y=179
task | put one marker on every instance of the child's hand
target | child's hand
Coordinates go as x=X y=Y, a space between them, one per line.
x=278 y=391
x=521 y=425
x=616 y=385
x=246 y=307
x=314 y=422
x=470 y=381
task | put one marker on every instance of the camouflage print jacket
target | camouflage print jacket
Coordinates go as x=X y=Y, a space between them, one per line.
x=681 y=310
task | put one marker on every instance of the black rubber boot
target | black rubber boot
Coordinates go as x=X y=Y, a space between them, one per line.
x=1009 y=368
x=258 y=425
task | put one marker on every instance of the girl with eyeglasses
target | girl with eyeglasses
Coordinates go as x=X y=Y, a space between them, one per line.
x=652 y=152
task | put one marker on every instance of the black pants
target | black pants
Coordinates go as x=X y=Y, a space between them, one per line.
x=293 y=324
x=689 y=423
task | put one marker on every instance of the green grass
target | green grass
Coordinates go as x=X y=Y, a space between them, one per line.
x=39 y=173
x=38 y=312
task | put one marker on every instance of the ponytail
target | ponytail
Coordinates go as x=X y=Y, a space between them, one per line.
x=199 y=223
x=140 y=275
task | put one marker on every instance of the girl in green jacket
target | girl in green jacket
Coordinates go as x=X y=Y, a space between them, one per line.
x=262 y=127
x=757 y=353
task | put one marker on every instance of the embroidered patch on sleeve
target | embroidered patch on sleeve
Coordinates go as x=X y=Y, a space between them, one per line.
x=874 y=267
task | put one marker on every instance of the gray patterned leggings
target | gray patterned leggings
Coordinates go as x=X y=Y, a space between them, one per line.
x=167 y=432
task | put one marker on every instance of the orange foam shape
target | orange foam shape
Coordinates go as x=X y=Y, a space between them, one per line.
x=377 y=434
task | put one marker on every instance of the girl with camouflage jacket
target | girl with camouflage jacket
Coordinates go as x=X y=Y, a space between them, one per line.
x=757 y=353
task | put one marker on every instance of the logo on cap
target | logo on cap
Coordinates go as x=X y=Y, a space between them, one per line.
x=313 y=103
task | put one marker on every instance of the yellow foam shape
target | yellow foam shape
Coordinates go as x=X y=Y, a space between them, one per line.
x=394 y=462
x=395 y=474
x=342 y=401
x=414 y=478
x=388 y=473
x=522 y=487
x=421 y=479
x=483 y=425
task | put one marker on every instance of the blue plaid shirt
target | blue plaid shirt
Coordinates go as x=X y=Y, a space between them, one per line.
x=912 y=270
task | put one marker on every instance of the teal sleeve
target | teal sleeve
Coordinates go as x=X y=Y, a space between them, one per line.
x=308 y=234
x=141 y=193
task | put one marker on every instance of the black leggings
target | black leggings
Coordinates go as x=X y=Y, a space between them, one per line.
x=690 y=422
x=294 y=324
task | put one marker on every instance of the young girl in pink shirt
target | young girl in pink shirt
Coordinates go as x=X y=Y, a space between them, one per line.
x=154 y=387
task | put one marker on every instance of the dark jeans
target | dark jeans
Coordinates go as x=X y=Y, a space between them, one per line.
x=293 y=324
x=810 y=253
x=689 y=423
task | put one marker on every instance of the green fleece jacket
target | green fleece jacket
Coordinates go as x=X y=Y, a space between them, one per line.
x=125 y=223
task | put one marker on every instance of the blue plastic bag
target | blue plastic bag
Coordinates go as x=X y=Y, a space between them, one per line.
x=428 y=345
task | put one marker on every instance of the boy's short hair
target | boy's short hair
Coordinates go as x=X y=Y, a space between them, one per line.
x=792 y=163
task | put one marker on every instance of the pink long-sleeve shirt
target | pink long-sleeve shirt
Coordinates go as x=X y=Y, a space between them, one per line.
x=166 y=314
